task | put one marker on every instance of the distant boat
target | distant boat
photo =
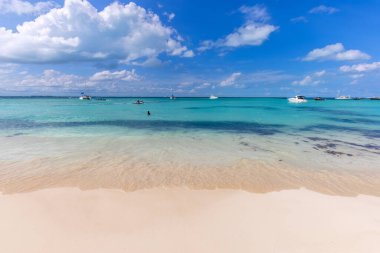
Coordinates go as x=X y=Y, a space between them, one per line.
x=319 y=99
x=374 y=98
x=343 y=98
x=84 y=97
x=172 y=95
x=213 y=97
x=297 y=99
x=139 y=102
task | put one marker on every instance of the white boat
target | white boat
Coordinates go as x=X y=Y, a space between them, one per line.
x=343 y=97
x=172 y=97
x=85 y=97
x=139 y=102
x=297 y=99
x=213 y=97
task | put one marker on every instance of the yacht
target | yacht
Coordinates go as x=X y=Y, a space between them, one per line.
x=213 y=97
x=84 y=97
x=297 y=99
x=172 y=95
x=343 y=98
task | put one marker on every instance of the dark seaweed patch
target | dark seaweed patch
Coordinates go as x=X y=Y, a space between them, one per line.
x=326 y=146
x=14 y=135
x=331 y=143
x=336 y=153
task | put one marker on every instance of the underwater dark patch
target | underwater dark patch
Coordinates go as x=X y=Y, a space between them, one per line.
x=355 y=120
x=335 y=112
x=154 y=125
x=269 y=108
x=370 y=133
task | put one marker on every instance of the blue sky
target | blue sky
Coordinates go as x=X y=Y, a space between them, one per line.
x=193 y=48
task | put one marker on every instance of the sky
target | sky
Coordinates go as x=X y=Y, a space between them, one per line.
x=190 y=48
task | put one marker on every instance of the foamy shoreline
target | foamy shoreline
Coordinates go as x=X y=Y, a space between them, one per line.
x=184 y=220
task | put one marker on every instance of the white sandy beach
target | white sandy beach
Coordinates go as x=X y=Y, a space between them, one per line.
x=184 y=220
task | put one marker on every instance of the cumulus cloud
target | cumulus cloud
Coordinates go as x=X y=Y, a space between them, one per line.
x=20 y=7
x=79 y=32
x=50 y=79
x=335 y=52
x=122 y=75
x=254 y=32
x=323 y=9
x=313 y=79
x=15 y=79
x=231 y=80
x=363 y=67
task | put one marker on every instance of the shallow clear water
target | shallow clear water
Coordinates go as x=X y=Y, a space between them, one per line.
x=62 y=136
x=264 y=116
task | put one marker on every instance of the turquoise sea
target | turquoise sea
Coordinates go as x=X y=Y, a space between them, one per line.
x=195 y=142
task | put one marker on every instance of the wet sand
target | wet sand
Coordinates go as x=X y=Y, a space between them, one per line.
x=120 y=173
x=184 y=220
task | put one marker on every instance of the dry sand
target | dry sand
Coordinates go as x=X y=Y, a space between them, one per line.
x=184 y=220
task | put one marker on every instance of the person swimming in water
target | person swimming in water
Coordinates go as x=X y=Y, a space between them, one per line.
x=148 y=113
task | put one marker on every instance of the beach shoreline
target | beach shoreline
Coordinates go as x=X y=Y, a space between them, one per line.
x=186 y=220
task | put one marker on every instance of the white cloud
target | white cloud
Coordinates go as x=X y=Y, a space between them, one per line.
x=122 y=75
x=230 y=81
x=200 y=87
x=357 y=76
x=254 y=32
x=300 y=19
x=170 y=16
x=364 y=67
x=323 y=9
x=50 y=79
x=20 y=7
x=206 y=45
x=79 y=32
x=335 y=52
x=249 y=35
x=320 y=73
x=313 y=79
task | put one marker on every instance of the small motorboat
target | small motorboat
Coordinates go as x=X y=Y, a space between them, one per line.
x=319 y=99
x=343 y=98
x=213 y=97
x=297 y=99
x=139 y=102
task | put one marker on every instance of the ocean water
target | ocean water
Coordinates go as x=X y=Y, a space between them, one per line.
x=256 y=144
